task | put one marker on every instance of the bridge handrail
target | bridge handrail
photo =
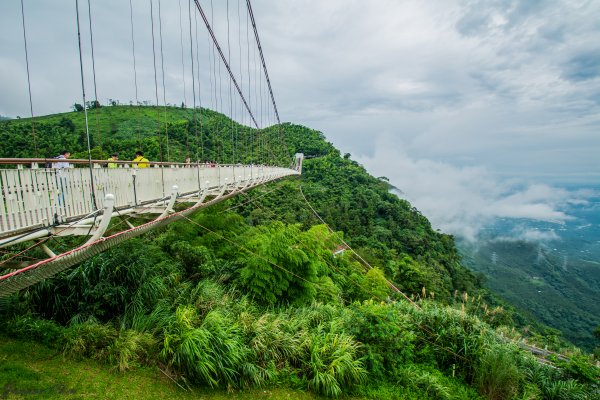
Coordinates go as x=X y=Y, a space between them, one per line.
x=28 y=161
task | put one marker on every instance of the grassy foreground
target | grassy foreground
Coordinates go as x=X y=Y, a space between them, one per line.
x=29 y=370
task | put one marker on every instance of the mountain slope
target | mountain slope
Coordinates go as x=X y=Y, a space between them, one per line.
x=257 y=291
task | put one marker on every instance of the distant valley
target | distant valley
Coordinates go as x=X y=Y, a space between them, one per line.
x=547 y=269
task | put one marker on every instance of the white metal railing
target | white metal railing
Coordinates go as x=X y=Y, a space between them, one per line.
x=40 y=197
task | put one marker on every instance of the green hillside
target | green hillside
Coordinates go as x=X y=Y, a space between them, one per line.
x=164 y=134
x=249 y=293
x=533 y=279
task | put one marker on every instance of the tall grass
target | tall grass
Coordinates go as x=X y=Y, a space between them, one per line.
x=122 y=349
x=331 y=363
x=207 y=351
x=497 y=376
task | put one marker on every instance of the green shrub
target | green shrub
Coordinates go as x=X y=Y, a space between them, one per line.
x=208 y=351
x=425 y=382
x=552 y=382
x=457 y=339
x=29 y=327
x=376 y=285
x=89 y=339
x=564 y=390
x=278 y=271
x=581 y=368
x=497 y=376
x=386 y=335
x=131 y=348
x=331 y=364
x=271 y=340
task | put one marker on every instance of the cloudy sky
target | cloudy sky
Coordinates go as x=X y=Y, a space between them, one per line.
x=474 y=109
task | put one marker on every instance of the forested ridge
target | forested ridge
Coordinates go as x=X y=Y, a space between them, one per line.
x=258 y=291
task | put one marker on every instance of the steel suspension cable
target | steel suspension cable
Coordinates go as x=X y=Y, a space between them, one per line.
x=264 y=64
x=156 y=90
x=216 y=43
x=182 y=62
x=220 y=99
x=259 y=99
x=251 y=132
x=242 y=247
x=201 y=144
x=351 y=249
x=87 y=130
x=134 y=70
x=244 y=145
x=255 y=93
x=96 y=104
x=193 y=77
x=162 y=64
x=29 y=82
x=262 y=58
x=213 y=91
x=230 y=93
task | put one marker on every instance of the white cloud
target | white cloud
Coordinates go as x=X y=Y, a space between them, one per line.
x=511 y=86
x=463 y=200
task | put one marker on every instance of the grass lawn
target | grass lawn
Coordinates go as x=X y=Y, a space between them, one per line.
x=32 y=371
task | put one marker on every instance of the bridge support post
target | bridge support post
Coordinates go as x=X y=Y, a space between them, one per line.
x=109 y=204
x=169 y=209
x=47 y=250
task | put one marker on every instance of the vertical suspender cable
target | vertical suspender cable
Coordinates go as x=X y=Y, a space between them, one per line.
x=213 y=77
x=201 y=144
x=262 y=122
x=87 y=131
x=230 y=93
x=265 y=68
x=262 y=58
x=162 y=169
x=184 y=104
x=134 y=69
x=235 y=83
x=182 y=63
x=213 y=102
x=96 y=103
x=162 y=64
x=193 y=76
x=199 y=93
x=249 y=84
x=29 y=83
x=155 y=78
x=241 y=136
x=259 y=133
x=220 y=100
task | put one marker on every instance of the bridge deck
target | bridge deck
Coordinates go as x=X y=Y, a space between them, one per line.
x=33 y=198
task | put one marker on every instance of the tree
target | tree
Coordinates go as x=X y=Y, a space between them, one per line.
x=77 y=107
x=92 y=104
x=279 y=269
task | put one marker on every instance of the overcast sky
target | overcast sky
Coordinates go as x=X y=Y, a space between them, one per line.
x=474 y=109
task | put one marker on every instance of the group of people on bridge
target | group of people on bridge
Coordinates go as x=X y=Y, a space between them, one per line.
x=138 y=162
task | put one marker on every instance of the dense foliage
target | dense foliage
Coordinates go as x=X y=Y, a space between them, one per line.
x=534 y=279
x=258 y=291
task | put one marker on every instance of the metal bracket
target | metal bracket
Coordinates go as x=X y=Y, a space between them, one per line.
x=109 y=203
x=172 y=200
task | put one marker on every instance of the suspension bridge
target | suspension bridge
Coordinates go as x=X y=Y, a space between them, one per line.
x=43 y=198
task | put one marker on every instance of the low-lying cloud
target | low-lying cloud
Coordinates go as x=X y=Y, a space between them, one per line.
x=463 y=200
x=521 y=233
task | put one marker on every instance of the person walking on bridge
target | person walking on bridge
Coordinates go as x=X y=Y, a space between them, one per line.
x=113 y=157
x=64 y=155
x=142 y=162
